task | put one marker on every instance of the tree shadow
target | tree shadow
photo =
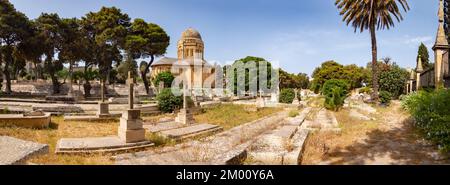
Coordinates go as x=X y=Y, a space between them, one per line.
x=398 y=145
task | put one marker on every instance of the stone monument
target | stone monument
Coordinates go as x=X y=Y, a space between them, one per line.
x=185 y=117
x=295 y=101
x=131 y=127
x=260 y=103
x=103 y=107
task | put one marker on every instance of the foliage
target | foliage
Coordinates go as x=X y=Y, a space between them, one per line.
x=431 y=112
x=385 y=97
x=335 y=92
x=63 y=74
x=15 y=28
x=165 y=77
x=146 y=40
x=287 y=95
x=372 y=15
x=353 y=74
x=299 y=81
x=49 y=30
x=424 y=56
x=129 y=65
x=243 y=64
x=393 y=79
x=167 y=101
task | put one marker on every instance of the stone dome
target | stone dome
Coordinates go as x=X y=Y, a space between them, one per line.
x=191 y=33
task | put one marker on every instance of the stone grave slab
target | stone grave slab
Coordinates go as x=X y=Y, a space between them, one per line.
x=16 y=151
x=294 y=157
x=191 y=131
x=163 y=126
x=26 y=121
x=91 y=117
x=97 y=145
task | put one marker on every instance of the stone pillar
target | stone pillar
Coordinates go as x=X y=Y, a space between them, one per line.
x=130 y=91
x=440 y=47
x=185 y=117
x=131 y=128
x=260 y=103
x=103 y=109
x=295 y=101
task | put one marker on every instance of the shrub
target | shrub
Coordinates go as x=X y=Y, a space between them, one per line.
x=431 y=112
x=335 y=92
x=165 y=77
x=167 y=101
x=287 y=95
x=385 y=97
x=393 y=79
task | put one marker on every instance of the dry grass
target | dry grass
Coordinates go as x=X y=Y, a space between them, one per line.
x=65 y=129
x=229 y=116
x=389 y=139
x=320 y=144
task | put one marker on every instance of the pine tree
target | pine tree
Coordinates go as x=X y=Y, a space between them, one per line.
x=423 y=53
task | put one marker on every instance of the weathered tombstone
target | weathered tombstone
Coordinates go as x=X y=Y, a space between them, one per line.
x=295 y=101
x=103 y=109
x=131 y=128
x=185 y=116
x=260 y=103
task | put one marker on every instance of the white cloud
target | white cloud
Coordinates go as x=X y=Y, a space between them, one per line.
x=418 y=40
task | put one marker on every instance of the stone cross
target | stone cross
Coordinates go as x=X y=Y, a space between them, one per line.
x=102 y=90
x=184 y=97
x=131 y=91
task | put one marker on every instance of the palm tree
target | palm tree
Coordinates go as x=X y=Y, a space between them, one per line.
x=372 y=15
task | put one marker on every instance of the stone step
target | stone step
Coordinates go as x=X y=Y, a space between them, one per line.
x=97 y=145
x=159 y=127
x=191 y=131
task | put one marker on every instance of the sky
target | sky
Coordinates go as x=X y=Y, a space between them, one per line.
x=298 y=35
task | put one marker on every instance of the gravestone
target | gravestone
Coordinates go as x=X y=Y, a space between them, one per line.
x=131 y=127
x=103 y=107
x=295 y=101
x=185 y=116
x=260 y=102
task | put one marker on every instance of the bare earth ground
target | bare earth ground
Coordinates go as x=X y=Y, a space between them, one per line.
x=390 y=139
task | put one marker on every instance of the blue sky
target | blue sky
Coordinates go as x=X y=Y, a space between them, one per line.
x=299 y=34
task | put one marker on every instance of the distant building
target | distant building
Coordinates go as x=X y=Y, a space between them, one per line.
x=190 y=50
x=438 y=75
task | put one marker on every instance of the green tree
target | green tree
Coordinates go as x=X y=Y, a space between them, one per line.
x=129 y=65
x=72 y=44
x=335 y=92
x=14 y=29
x=106 y=31
x=393 y=80
x=240 y=64
x=423 y=54
x=146 y=40
x=372 y=15
x=165 y=77
x=49 y=29
x=299 y=81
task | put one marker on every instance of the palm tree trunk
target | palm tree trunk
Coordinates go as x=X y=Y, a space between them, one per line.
x=374 y=62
